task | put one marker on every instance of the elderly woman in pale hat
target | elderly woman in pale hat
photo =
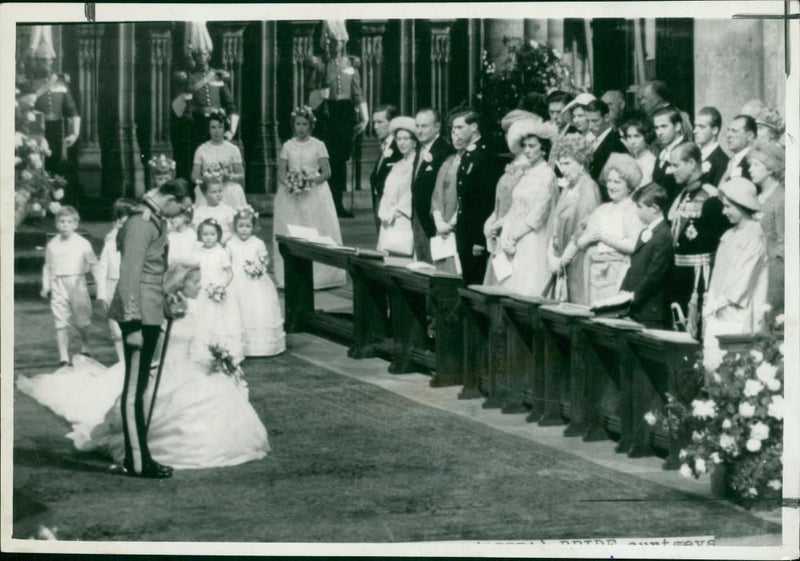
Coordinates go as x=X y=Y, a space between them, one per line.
x=737 y=293
x=523 y=239
x=505 y=186
x=396 y=235
x=579 y=198
x=770 y=125
x=611 y=230
x=766 y=161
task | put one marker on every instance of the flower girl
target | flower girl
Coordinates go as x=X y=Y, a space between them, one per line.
x=218 y=310
x=215 y=208
x=259 y=306
x=182 y=238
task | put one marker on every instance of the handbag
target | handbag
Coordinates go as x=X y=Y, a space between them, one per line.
x=397 y=239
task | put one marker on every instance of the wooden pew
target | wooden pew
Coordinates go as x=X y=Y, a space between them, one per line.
x=410 y=292
x=372 y=326
x=524 y=356
x=298 y=257
x=654 y=363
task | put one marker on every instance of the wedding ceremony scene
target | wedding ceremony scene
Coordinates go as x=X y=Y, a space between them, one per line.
x=403 y=281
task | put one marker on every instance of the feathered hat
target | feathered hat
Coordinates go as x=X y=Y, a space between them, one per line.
x=334 y=29
x=198 y=38
x=41 y=45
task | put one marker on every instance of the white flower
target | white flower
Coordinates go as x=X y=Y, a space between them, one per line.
x=712 y=358
x=31 y=116
x=706 y=167
x=26 y=175
x=766 y=372
x=739 y=372
x=752 y=388
x=752 y=492
x=704 y=409
x=759 y=431
x=36 y=207
x=700 y=465
x=746 y=409
x=534 y=44
x=727 y=442
x=753 y=445
x=683 y=454
x=471 y=147
x=716 y=377
x=58 y=194
x=19 y=139
x=650 y=418
x=779 y=320
x=686 y=471
x=387 y=153
x=726 y=424
x=54 y=207
x=715 y=458
x=775 y=408
x=427 y=157
x=35 y=160
x=757 y=355
x=17 y=160
x=774 y=385
x=697 y=436
x=774 y=484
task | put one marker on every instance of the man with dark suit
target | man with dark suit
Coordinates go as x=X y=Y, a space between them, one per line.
x=476 y=181
x=433 y=150
x=707 y=126
x=648 y=277
x=606 y=141
x=668 y=127
x=741 y=135
x=388 y=155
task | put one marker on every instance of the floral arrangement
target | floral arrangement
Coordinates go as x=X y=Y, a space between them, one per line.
x=214 y=173
x=297 y=182
x=217 y=292
x=225 y=364
x=161 y=165
x=255 y=269
x=737 y=421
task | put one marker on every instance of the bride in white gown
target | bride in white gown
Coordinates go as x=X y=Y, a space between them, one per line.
x=202 y=418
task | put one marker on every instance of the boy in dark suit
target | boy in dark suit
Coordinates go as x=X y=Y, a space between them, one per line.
x=707 y=126
x=651 y=261
x=606 y=142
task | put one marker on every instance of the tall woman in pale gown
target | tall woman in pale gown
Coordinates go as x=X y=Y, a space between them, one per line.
x=524 y=235
x=612 y=230
x=202 y=417
x=313 y=207
x=505 y=186
x=218 y=152
x=394 y=210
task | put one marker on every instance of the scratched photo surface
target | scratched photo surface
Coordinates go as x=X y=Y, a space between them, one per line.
x=421 y=280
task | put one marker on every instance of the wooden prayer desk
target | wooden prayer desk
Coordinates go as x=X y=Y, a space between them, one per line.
x=298 y=257
x=558 y=331
x=410 y=292
x=372 y=329
x=524 y=355
x=656 y=363
x=484 y=344
x=742 y=343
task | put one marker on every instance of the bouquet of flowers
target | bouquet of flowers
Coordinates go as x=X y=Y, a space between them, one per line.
x=217 y=292
x=214 y=173
x=255 y=269
x=737 y=421
x=298 y=181
x=224 y=363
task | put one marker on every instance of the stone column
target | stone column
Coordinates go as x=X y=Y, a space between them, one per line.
x=555 y=34
x=261 y=172
x=160 y=46
x=372 y=32
x=440 y=63
x=496 y=31
x=474 y=57
x=123 y=173
x=89 y=157
x=302 y=49
x=408 y=74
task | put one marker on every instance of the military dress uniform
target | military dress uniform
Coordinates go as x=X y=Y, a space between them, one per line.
x=138 y=304
x=697 y=225
x=54 y=100
x=336 y=117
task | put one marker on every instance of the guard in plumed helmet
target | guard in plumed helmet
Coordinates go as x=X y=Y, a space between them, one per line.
x=48 y=93
x=202 y=92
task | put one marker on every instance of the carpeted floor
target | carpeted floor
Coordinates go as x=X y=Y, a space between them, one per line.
x=354 y=463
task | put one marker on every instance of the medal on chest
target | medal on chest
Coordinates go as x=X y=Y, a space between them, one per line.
x=691 y=232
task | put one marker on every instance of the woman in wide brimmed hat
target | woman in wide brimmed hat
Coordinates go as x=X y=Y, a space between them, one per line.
x=737 y=294
x=505 y=186
x=766 y=161
x=396 y=235
x=523 y=239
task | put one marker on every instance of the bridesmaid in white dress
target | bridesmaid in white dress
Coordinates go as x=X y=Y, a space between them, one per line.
x=202 y=417
x=313 y=207
x=524 y=234
x=219 y=153
x=396 y=235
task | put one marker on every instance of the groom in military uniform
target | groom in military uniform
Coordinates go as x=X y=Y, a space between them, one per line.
x=138 y=306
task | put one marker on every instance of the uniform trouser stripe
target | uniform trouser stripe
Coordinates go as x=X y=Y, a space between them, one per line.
x=132 y=436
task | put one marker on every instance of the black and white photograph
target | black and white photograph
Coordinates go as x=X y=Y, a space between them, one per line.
x=401 y=279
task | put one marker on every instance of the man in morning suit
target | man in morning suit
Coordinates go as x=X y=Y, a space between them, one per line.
x=388 y=154
x=138 y=306
x=741 y=136
x=476 y=181
x=707 y=126
x=667 y=124
x=648 y=277
x=606 y=141
x=433 y=150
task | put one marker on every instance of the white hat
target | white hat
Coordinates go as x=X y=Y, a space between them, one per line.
x=198 y=38
x=741 y=191
x=524 y=128
x=580 y=99
x=334 y=28
x=41 y=44
x=516 y=115
x=403 y=123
